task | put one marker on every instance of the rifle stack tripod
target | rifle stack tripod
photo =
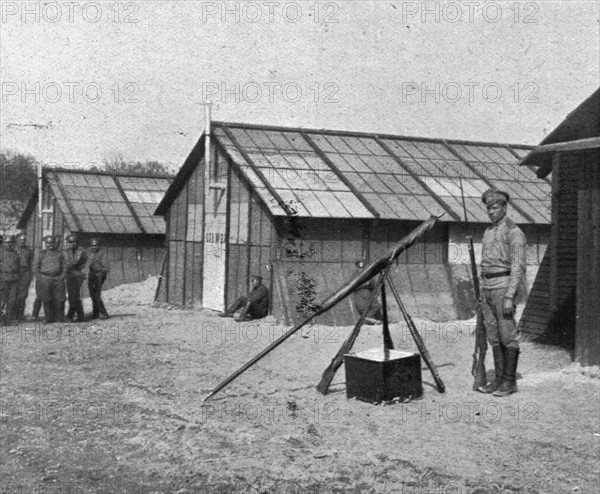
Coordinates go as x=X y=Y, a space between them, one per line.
x=388 y=344
x=382 y=266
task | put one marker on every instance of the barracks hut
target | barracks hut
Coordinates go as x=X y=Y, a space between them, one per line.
x=564 y=305
x=116 y=208
x=299 y=207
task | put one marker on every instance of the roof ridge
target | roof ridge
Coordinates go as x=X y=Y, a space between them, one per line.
x=351 y=133
x=59 y=169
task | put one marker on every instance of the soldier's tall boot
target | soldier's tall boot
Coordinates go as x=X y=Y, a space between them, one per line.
x=71 y=311
x=508 y=385
x=79 y=311
x=498 y=354
x=49 y=313
x=60 y=311
x=102 y=309
x=35 y=312
x=22 y=309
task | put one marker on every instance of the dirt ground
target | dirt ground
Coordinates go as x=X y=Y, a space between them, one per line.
x=116 y=406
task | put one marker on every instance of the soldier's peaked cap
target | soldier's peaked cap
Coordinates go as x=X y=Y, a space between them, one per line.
x=49 y=239
x=492 y=196
x=256 y=277
x=71 y=238
x=94 y=241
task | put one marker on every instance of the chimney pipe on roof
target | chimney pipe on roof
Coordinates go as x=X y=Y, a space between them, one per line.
x=207 y=108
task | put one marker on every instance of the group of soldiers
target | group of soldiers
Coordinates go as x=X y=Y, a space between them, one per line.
x=59 y=275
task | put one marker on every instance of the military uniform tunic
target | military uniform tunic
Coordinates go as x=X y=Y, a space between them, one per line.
x=9 y=282
x=51 y=269
x=98 y=271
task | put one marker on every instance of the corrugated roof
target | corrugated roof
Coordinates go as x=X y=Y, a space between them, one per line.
x=106 y=203
x=335 y=174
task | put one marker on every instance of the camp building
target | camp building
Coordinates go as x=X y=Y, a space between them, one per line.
x=564 y=304
x=116 y=208
x=300 y=206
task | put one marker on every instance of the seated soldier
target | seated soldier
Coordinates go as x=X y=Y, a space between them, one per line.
x=254 y=306
x=362 y=297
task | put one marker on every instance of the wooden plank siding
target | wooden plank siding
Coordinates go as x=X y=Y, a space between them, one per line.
x=536 y=314
x=587 y=341
x=563 y=246
x=323 y=253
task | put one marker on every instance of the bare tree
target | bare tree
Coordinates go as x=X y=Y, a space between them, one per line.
x=115 y=163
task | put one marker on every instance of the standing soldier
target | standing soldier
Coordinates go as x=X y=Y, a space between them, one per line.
x=99 y=269
x=503 y=267
x=76 y=259
x=50 y=273
x=9 y=279
x=26 y=266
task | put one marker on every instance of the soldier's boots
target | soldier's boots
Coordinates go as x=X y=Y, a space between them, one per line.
x=508 y=385
x=79 y=311
x=60 y=311
x=35 y=312
x=49 y=312
x=498 y=354
x=20 y=310
x=75 y=312
x=244 y=314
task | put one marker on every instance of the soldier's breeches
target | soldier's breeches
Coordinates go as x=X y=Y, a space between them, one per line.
x=24 y=282
x=499 y=329
x=50 y=288
x=74 y=287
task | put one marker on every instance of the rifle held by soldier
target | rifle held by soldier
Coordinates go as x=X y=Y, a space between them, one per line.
x=478 y=368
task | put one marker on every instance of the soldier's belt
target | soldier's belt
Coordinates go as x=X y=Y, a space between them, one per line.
x=487 y=276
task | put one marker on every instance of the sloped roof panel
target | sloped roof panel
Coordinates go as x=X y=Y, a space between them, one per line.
x=93 y=202
x=499 y=167
x=288 y=162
